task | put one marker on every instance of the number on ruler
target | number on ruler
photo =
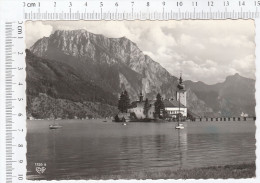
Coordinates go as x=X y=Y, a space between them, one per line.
x=20 y=145
x=163 y=3
x=148 y=4
x=226 y=3
x=31 y=5
x=132 y=3
x=257 y=3
x=241 y=3
x=20 y=177
x=210 y=3
x=20 y=29
x=70 y=4
x=179 y=3
x=116 y=4
x=101 y=4
x=194 y=3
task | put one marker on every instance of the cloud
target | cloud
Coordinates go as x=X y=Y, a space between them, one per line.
x=36 y=30
x=185 y=40
x=232 y=41
x=245 y=66
x=200 y=72
x=204 y=50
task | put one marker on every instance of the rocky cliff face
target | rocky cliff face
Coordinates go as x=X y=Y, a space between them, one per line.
x=111 y=64
x=137 y=72
x=230 y=98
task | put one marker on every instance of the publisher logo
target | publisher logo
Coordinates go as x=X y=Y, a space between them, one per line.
x=40 y=170
x=40 y=167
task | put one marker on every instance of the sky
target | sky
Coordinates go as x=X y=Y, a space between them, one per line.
x=202 y=50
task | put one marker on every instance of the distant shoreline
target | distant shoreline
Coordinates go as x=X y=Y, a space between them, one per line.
x=152 y=121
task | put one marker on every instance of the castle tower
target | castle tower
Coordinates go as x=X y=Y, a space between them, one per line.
x=181 y=93
x=141 y=97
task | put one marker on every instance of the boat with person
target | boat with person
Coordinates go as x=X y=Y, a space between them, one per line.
x=55 y=126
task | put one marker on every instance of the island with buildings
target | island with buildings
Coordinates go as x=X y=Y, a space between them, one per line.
x=162 y=109
x=156 y=109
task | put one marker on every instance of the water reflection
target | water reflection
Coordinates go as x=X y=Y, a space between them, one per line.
x=87 y=149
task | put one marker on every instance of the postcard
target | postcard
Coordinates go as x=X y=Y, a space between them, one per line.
x=140 y=100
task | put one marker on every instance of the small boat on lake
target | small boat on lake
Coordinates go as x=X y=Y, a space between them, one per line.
x=180 y=126
x=54 y=126
x=124 y=124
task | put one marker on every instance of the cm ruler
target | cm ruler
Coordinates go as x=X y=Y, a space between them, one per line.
x=15 y=114
x=130 y=10
x=15 y=13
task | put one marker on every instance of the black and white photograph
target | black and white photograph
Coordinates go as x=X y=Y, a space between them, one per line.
x=140 y=99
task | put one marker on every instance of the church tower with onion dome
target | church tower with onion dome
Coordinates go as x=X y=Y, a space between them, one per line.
x=181 y=92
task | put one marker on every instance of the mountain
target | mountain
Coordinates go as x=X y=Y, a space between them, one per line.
x=57 y=90
x=85 y=62
x=76 y=67
x=113 y=64
x=229 y=98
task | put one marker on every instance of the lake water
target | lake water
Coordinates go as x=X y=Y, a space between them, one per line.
x=93 y=147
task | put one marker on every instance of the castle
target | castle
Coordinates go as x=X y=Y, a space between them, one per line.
x=173 y=106
x=137 y=107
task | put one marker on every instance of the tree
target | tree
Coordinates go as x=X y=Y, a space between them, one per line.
x=127 y=101
x=121 y=103
x=82 y=115
x=159 y=106
x=146 y=107
x=124 y=102
x=133 y=116
x=117 y=118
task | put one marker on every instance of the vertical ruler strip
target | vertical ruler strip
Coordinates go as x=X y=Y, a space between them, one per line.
x=8 y=99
